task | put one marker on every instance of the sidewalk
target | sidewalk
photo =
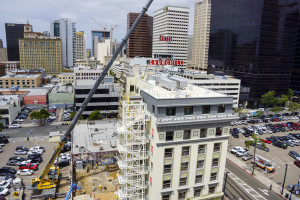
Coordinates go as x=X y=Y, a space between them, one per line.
x=22 y=139
x=37 y=124
x=258 y=175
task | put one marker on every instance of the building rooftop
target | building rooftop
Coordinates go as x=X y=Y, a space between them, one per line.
x=62 y=89
x=21 y=76
x=107 y=80
x=5 y=100
x=84 y=68
x=37 y=92
x=99 y=137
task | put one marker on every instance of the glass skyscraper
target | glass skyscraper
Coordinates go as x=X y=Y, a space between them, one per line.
x=255 y=40
x=101 y=35
x=13 y=33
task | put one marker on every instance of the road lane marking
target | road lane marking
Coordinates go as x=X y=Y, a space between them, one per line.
x=264 y=191
x=246 y=187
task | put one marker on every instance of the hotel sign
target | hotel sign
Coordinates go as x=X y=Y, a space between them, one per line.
x=165 y=62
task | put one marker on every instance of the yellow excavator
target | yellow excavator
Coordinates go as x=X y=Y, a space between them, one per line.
x=49 y=180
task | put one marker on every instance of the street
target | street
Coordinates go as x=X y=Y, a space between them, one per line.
x=241 y=185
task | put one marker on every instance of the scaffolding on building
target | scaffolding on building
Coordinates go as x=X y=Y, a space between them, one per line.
x=133 y=152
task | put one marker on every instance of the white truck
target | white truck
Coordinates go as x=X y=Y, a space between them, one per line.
x=264 y=163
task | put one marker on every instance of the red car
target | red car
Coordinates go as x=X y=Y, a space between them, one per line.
x=266 y=141
x=297 y=163
x=284 y=125
x=28 y=166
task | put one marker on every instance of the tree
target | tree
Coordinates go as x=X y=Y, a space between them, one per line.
x=255 y=140
x=268 y=98
x=41 y=115
x=293 y=106
x=276 y=109
x=72 y=115
x=95 y=115
x=259 y=113
x=290 y=94
x=238 y=110
x=283 y=99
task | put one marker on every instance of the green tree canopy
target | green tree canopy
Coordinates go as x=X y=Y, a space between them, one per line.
x=293 y=106
x=283 y=99
x=255 y=140
x=72 y=115
x=290 y=94
x=268 y=98
x=238 y=110
x=95 y=115
x=41 y=115
x=276 y=109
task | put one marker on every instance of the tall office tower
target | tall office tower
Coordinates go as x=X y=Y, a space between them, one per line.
x=80 y=46
x=255 y=42
x=190 y=49
x=38 y=51
x=140 y=42
x=65 y=29
x=13 y=33
x=186 y=141
x=1 y=43
x=3 y=52
x=201 y=34
x=99 y=36
x=171 y=21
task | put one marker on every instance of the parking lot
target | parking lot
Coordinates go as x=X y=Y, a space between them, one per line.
x=9 y=149
x=277 y=155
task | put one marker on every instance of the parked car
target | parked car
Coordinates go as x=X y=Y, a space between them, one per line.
x=25 y=172
x=20 y=152
x=39 y=151
x=5 y=184
x=4 y=191
x=34 y=154
x=9 y=175
x=279 y=144
x=29 y=166
x=236 y=149
x=235 y=135
x=297 y=163
x=247 y=156
x=8 y=170
x=15 y=126
x=294 y=155
x=22 y=148
x=266 y=141
x=263 y=148
x=3 y=139
x=38 y=148
x=241 y=153
x=63 y=163
x=13 y=163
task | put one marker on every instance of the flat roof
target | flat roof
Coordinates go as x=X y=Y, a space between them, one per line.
x=62 y=89
x=89 y=82
x=21 y=76
x=31 y=91
x=6 y=99
x=99 y=137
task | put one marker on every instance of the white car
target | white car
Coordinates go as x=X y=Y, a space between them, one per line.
x=236 y=149
x=63 y=156
x=5 y=184
x=34 y=152
x=250 y=128
x=2 y=144
x=15 y=126
x=241 y=130
x=52 y=117
x=25 y=162
x=19 y=120
x=241 y=153
x=25 y=172
x=1 y=150
x=37 y=148
x=4 y=191
x=7 y=178
x=20 y=152
x=231 y=123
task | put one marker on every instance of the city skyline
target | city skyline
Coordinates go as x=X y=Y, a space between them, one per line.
x=81 y=13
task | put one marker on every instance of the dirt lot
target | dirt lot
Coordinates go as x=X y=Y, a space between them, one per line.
x=8 y=151
x=277 y=155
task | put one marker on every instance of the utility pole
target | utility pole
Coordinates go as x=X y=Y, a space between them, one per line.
x=286 y=166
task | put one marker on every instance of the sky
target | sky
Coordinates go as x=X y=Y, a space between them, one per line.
x=40 y=13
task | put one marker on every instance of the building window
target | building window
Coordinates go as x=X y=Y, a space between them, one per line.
x=23 y=82
x=217 y=147
x=188 y=110
x=203 y=133
x=169 y=135
x=167 y=169
x=211 y=189
x=219 y=131
x=201 y=149
x=153 y=109
x=32 y=82
x=169 y=153
x=181 y=195
x=166 y=197
x=215 y=162
x=18 y=82
x=131 y=88
x=167 y=184
x=197 y=192
x=213 y=176
x=28 y=83
x=185 y=151
x=171 y=111
x=187 y=134
x=200 y=164
x=199 y=178
x=205 y=109
x=183 y=181
x=221 y=108
x=12 y=83
x=184 y=166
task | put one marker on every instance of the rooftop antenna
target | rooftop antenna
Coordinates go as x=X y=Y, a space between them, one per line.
x=27 y=21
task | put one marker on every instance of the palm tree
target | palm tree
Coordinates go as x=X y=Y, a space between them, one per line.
x=255 y=140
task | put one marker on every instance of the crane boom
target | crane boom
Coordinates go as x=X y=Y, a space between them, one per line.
x=87 y=100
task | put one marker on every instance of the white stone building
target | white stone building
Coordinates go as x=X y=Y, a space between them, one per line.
x=10 y=106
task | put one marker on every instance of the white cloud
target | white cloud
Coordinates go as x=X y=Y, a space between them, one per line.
x=112 y=12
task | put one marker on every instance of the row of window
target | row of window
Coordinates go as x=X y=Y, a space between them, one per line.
x=197 y=193
x=187 y=134
x=189 y=110
x=186 y=150
x=12 y=82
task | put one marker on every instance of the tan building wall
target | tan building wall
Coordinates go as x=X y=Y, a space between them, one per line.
x=31 y=81
x=41 y=52
x=80 y=46
x=66 y=78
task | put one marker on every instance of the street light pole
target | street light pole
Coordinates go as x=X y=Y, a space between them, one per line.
x=224 y=188
x=286 y=166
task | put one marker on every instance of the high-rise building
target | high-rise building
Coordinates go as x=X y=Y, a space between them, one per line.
x=190 y=49
x=13 y=33
x=38 y=51
x=175 y=140
x=256 y=42
x=201 y=34
x=99 y=36
x=80 y=46
x=171 y=21
x=3 y=52
x=140 y=41
x=65 y=29
x=1 y=43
